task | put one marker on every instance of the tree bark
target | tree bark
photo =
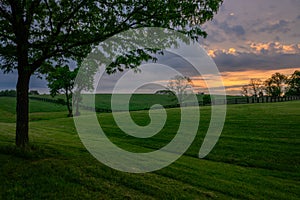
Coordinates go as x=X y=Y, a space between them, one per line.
x=77 y=108
x=68 y=103
x=22 y=109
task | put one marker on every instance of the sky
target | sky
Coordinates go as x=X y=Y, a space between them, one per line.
x=254 y=39
x=246 y=39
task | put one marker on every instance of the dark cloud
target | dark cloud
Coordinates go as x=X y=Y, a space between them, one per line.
x=252 y=61
x=277 y=39
x=9 y=81
x=215 y=37
x=178 y=63
x=282 y=26
x=237 y=30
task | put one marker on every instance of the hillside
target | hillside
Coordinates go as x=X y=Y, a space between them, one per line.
x=257 y=157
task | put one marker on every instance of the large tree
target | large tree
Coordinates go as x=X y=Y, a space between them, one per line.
x=275 y=86
x=294 y=84
x=36 y=33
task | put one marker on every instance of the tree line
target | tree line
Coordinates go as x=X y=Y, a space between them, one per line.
x=13 y=93
x=8 y=93
x=275 y=86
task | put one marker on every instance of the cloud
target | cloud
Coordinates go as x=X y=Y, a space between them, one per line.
x=281 y=26
x=274 y=48
x=262 y=56
x=214 y=36
x=237 y=30
x=8 y=81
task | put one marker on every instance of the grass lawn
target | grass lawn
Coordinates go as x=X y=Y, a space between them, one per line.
x=137 y=101
x=257 y=157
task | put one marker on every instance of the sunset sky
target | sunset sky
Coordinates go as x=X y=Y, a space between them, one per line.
x=254 y=39
x=246 y=39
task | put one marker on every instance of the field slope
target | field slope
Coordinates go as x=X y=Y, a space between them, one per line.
x=257 y=157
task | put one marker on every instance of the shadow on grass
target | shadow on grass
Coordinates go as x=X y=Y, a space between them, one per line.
x=33 y=152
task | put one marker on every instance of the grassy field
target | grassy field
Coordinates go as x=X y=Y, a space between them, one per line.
x=137 y=101
x=257 y=157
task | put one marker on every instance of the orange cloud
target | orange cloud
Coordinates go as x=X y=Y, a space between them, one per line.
x=212 y=53
x=275 y=47
x=258 y=48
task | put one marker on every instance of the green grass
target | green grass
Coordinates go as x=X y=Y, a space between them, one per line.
x=37 y=110
x=137 y=101
x=257 y=157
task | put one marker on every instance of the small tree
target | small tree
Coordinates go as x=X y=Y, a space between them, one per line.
x=256 y=86
x=207 y=99
x=61 y=80
x=84 y=81
x=182 y=86
x=245 y=90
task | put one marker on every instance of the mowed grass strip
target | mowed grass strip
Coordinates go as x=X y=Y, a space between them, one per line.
x=257 y=157
x=136 y=101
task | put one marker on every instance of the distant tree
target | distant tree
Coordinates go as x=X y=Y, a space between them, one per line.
x=254 y=88
x=245 y=90
x=37 y=33
x=275 y=86
x=8 y=93
x=207 y=99
x=165 y=92
x=294 y=84
x=61 y=81
x=181 y=86
x=34 y=92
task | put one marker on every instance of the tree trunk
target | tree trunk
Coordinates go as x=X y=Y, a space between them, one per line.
x=77 y=108
x=22 y=139
x=68 y=103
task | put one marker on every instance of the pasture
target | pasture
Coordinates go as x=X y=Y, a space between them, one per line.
x=256 y=157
